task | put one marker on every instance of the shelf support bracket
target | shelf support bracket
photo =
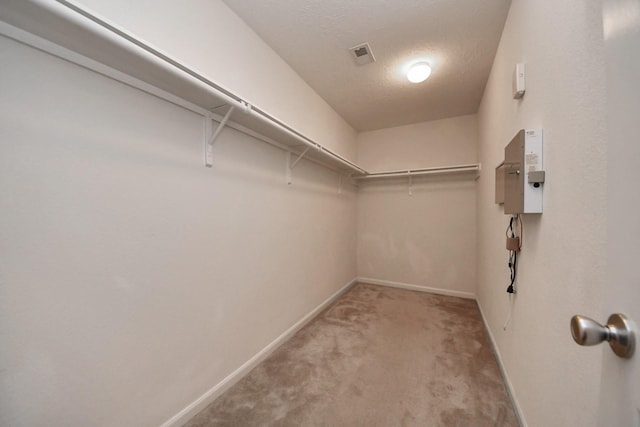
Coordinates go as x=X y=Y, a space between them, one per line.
x=290 y=165
x=293 y=165
x=287 y=168
x=410 y=183
x=209 y=140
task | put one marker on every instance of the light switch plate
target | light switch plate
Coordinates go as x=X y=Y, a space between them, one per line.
x=518 y=83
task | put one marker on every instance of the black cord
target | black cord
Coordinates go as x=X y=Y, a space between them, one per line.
x=513 y=259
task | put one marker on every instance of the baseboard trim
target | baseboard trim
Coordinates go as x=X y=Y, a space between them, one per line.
x=214 y=392
x=503 y=372
x=412 y=287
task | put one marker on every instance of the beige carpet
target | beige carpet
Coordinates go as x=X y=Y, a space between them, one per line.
x=378 y=357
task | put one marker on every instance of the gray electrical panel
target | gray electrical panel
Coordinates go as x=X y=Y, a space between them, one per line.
x=523 y=173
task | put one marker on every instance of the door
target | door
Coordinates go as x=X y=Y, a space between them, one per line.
x=620 y=381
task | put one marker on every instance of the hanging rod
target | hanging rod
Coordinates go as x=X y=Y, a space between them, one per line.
x=66 y=30
x=275 y=123
x=423 y=171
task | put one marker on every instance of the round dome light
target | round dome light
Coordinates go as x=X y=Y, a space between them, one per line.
x=419 y=72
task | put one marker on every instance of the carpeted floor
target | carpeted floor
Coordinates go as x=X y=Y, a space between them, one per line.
x=378 y=357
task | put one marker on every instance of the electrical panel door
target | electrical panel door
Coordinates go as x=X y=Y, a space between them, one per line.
x=522 y=169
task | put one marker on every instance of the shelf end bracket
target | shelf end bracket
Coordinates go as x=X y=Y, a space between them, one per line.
x=290 y=165
x=209 y=140
x=293 y=165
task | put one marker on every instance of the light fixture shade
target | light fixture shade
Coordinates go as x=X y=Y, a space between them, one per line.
x=419 y=72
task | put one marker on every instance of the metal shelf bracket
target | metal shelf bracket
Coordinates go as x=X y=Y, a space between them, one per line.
x=290 y=165
x=209 y=140
x=410 y=183
x=293 y=165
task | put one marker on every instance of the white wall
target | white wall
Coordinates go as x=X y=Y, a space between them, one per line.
x=426 y=239
x=421 y=145
x=208 y=37
x=133 y=278
x=562 y=263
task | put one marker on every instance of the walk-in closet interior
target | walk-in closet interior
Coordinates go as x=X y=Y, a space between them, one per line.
x=238 y=212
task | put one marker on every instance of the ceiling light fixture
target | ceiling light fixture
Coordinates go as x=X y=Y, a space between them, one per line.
x=419 y=72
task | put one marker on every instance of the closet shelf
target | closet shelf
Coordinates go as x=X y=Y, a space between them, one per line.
x=63 y=29
x=459 y=169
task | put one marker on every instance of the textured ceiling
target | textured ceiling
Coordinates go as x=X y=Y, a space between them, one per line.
x=458 y=37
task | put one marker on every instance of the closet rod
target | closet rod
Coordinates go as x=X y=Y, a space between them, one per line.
x=419 y=172
x=272 y=121
x=254 y=134
x=75 y=28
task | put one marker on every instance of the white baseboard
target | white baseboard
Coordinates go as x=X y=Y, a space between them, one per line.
x=449 y=292
x=214 y=392
x=505 y=377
